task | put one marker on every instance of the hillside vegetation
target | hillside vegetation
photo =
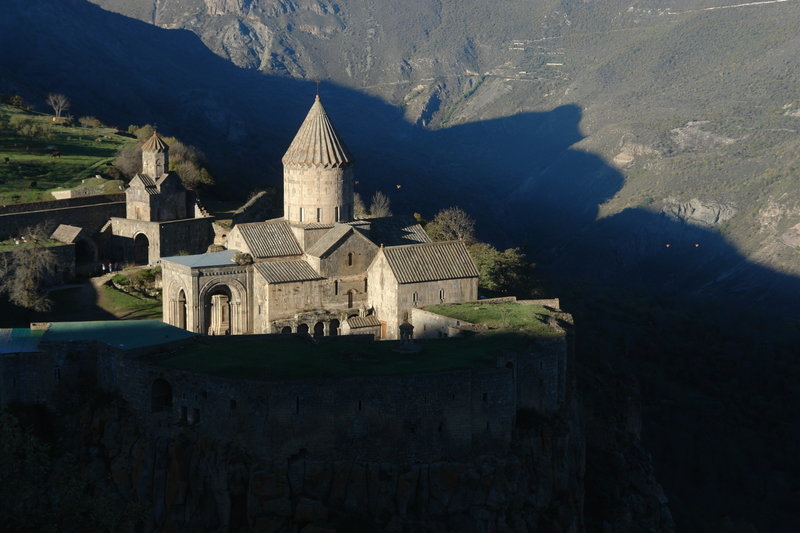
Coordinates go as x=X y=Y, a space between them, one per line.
x=38 y=156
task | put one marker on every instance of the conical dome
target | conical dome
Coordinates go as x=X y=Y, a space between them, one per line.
x=316 y=143
x=155 y=144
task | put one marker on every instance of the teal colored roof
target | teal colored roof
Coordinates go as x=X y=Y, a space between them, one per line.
x=19 y=340
x=212 y=259
x=125 y=334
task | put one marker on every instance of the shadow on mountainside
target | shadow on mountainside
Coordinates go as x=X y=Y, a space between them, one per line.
x=691 y=318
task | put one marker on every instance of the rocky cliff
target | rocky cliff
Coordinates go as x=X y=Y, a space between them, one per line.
x=185 y=482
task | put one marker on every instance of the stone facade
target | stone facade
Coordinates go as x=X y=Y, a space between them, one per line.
x=414 y=418
x=315 y=270
x=162 y=218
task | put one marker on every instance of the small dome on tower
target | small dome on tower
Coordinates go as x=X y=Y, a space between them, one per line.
x=317 y=143
x=155 y=144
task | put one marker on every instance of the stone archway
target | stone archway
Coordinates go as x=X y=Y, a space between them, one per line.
x=286 y=330
x=302 y=329
x=223 y=308
x=319 y=329
x=141 y=249
x=218 y=311
x=334 y=327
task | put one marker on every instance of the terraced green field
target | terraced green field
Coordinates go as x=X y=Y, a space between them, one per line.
x=29 y=170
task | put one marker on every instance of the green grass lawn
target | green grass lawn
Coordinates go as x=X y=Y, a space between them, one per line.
x=505 y=317
x=128 y=307
x=31 y=171
x=295 y=357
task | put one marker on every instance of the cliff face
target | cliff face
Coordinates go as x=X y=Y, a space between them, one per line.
x=184 y=481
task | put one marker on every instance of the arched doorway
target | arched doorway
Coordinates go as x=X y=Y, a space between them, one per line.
x=218 y=311
x=302 y=329
x=286 y=330
x=161 y=396
x=141 y=249
x=319 y=329
x=181 y=309
x=334 y=327
x=85 y=256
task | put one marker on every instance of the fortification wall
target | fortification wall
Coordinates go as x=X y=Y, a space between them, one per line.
x=406 y=418
x=91 y=217
x=28 y=207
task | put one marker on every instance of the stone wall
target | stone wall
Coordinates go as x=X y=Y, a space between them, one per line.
x=165 y=239
x=61 y=204
x=398 y=418
x=428 y=325
x=91 y=217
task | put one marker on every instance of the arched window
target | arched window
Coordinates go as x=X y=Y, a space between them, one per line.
x=182 y=309
x=161 y=396
x=336 y=288
x=319 y=214
x=336 y=213
x=365 y=284
x=441 y=295
x=415 y=298
x=302 y=214
x=349 y=258
x=350 y=294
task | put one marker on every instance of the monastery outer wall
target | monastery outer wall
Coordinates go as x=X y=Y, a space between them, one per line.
x=61 y=204
x=414 y=418
x=91 y=217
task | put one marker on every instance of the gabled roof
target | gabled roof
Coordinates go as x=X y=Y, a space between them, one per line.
x=333 y=237
x=273 y=238
x=213 y=259
x=431 y=261
x=145 y=182
x=286 y=271
x=66 y=233
x=317 y=143
x=396 y=231
x=155 y=144
x=363 y=322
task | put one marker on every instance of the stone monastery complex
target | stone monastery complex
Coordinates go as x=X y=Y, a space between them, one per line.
x=316 y=270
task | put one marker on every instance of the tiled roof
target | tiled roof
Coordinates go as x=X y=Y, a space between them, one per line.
x=286 y=271
x=147 y=182
x=431 y=261
x=66 y=233
x=223 y=258
x=269 y=239
x=316 y=143
x=155 y=144
x=363 y=321
x=329 y=240
x=396 y=231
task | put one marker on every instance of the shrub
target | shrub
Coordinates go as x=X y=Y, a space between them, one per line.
x=90 y=122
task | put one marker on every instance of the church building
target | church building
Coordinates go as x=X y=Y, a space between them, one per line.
x=316 y=270
x=162 y=218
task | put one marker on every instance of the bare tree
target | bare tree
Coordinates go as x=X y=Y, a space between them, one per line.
x=452 y=224
x=379 y=205
x=58 y=102
x=359 y=209
x=24 y=271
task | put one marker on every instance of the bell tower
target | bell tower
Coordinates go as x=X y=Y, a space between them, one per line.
x=317 y=173
x=155 y=157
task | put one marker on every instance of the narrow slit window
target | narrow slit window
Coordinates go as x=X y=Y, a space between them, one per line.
x=319 y=214
x=302 y=214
